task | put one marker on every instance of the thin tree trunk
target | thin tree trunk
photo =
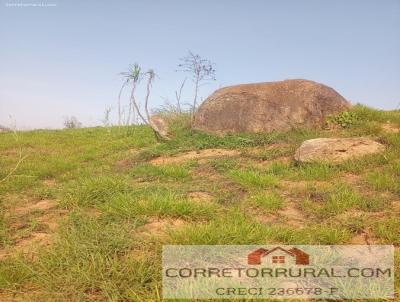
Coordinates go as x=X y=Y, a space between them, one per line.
x=194 y=102
x=178 y=96
x=157 y=131
x=133 y=101
x=119 y=105
x=133 y=106
x=147 y=121
x=146 y=100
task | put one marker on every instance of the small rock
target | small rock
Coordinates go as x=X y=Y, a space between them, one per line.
x=336 y=149
x=161 y=124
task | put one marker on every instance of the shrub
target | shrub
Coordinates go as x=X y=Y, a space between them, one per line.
x=345 y=119
x=72 y=122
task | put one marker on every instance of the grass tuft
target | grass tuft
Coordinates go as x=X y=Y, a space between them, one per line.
x=150 y=172
x=160 y=203
x=251 y=178
x=95 y=190
x=268 y=201
x=388 y=230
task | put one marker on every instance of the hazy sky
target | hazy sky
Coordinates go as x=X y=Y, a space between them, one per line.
x=64 y=59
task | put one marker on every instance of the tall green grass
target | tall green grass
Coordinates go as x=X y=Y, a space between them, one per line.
x=250 y=178
x=90 y=260
x=149 y=172
x=160 y=203
x=265 y=200
x=95 y=190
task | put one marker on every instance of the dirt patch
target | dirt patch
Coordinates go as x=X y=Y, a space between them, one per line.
x=27 y=245
x=200 y=196
x=348 y=214
x=128 y=159
x=206 y=173
x=296 y=191
x=51 y=220
x=42 y=205
x=48 y=215
x=352 y=178
x=390 y=128
x=50 y=183
x=289 y=215
x=354 y=214
x=124 y=163
x=93 y=212
x=222 y=189
x=359 y=239
x=26 y=240
x=293 y=215
x=396 y=206
x=8 y=296
x=268 y=155
x=256 y=150
x=302 y=184
x=158 y=226
x=293 y=185
x=365 y=237
x=266 y=218
x=194 y=155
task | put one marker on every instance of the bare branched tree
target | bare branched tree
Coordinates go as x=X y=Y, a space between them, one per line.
x=200 y=70
x=134 y=76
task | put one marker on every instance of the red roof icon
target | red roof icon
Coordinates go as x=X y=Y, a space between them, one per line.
x=301 y=258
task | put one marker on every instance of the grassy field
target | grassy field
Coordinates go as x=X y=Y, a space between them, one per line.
x=86 y=213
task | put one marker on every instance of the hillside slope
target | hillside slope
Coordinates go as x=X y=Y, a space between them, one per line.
x=85 y=214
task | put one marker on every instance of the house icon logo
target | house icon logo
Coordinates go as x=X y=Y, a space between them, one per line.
x=278 y=255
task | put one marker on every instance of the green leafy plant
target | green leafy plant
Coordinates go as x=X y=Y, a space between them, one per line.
x=345 y=119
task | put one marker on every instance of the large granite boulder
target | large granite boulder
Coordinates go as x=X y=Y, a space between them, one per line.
x=267 y=107
x=335 y=150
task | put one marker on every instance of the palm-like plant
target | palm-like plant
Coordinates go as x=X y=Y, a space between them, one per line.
x=133 y=77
